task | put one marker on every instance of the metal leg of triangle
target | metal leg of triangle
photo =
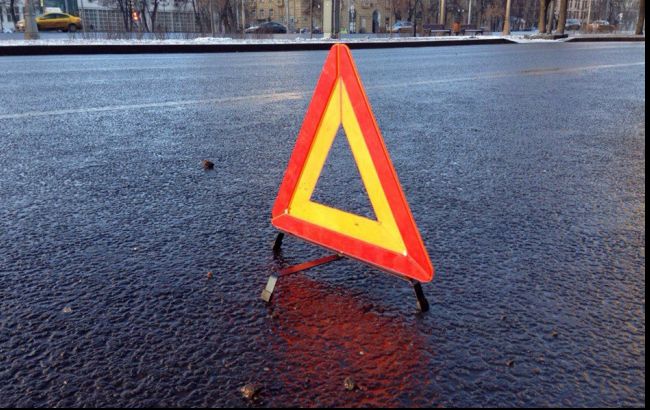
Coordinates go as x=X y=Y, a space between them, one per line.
x=267 y=293
x=422 y=303
x=277 y=245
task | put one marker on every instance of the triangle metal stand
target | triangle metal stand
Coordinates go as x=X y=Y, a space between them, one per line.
x=267 y=293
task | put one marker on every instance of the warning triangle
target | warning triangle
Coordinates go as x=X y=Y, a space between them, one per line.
x=392 y=241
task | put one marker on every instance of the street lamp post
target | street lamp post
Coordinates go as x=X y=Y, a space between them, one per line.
x=31 y=30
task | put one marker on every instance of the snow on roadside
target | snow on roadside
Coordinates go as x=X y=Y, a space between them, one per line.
x=525 y=40
x=228 y=40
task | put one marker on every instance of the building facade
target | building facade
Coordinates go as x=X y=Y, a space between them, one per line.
x=366 y=16
x=355 y=16
x=578 y=9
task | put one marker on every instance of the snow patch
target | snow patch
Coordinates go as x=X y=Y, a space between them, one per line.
x=233 y=41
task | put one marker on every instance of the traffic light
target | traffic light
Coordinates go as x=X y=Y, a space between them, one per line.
x=135 y=16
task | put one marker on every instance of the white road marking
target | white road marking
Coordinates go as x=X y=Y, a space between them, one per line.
x=299 y=95
x=541 y=71
x=169 y=104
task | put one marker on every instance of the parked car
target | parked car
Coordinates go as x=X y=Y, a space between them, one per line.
x=20 y=25
x=573 y=24
x=600 y=26
x=270 y=27
x=53 y=21
x=305 y=30
x=401 y=25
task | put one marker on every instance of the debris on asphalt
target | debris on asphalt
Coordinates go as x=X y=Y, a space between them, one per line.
x=250 y=391
x=207 y=165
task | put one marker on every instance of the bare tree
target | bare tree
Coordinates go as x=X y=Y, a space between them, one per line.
x=197 y=14
x=541 y=22
x=126 y=10
x=413 y=13
x=397 y=12
x=545 y=19
x=312 y=11
x=401 y=9
x=224 y=13
x=143 y=9
x=527 y=10
x=3 y=4
x=3 y=7
x=480 y=12
x=491 y=12
x=432 y=11
x=561 y=24
x=640 y=23
x=227 y=15
x=494 y=14
x=506 y=20
x=12 y=10
x=149 y=12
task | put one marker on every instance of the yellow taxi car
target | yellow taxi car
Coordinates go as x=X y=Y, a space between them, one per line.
x=53 y=21
x=58 y=21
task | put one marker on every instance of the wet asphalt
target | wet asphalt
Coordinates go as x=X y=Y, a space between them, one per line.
x=524 y=167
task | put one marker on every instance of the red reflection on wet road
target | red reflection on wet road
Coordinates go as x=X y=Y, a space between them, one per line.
x=324 y=334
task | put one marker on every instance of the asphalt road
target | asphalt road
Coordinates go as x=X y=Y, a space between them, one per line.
x=524 y=167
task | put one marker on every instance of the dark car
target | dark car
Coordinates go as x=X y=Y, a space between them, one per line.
x=573 y=24
x=401 y=26
x=270 y=27
x=316 y=30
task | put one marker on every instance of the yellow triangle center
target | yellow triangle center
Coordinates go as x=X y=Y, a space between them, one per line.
x=383 y=232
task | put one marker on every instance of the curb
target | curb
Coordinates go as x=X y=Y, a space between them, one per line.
x=39 y=50
x=599 y=39
x=36 y=50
